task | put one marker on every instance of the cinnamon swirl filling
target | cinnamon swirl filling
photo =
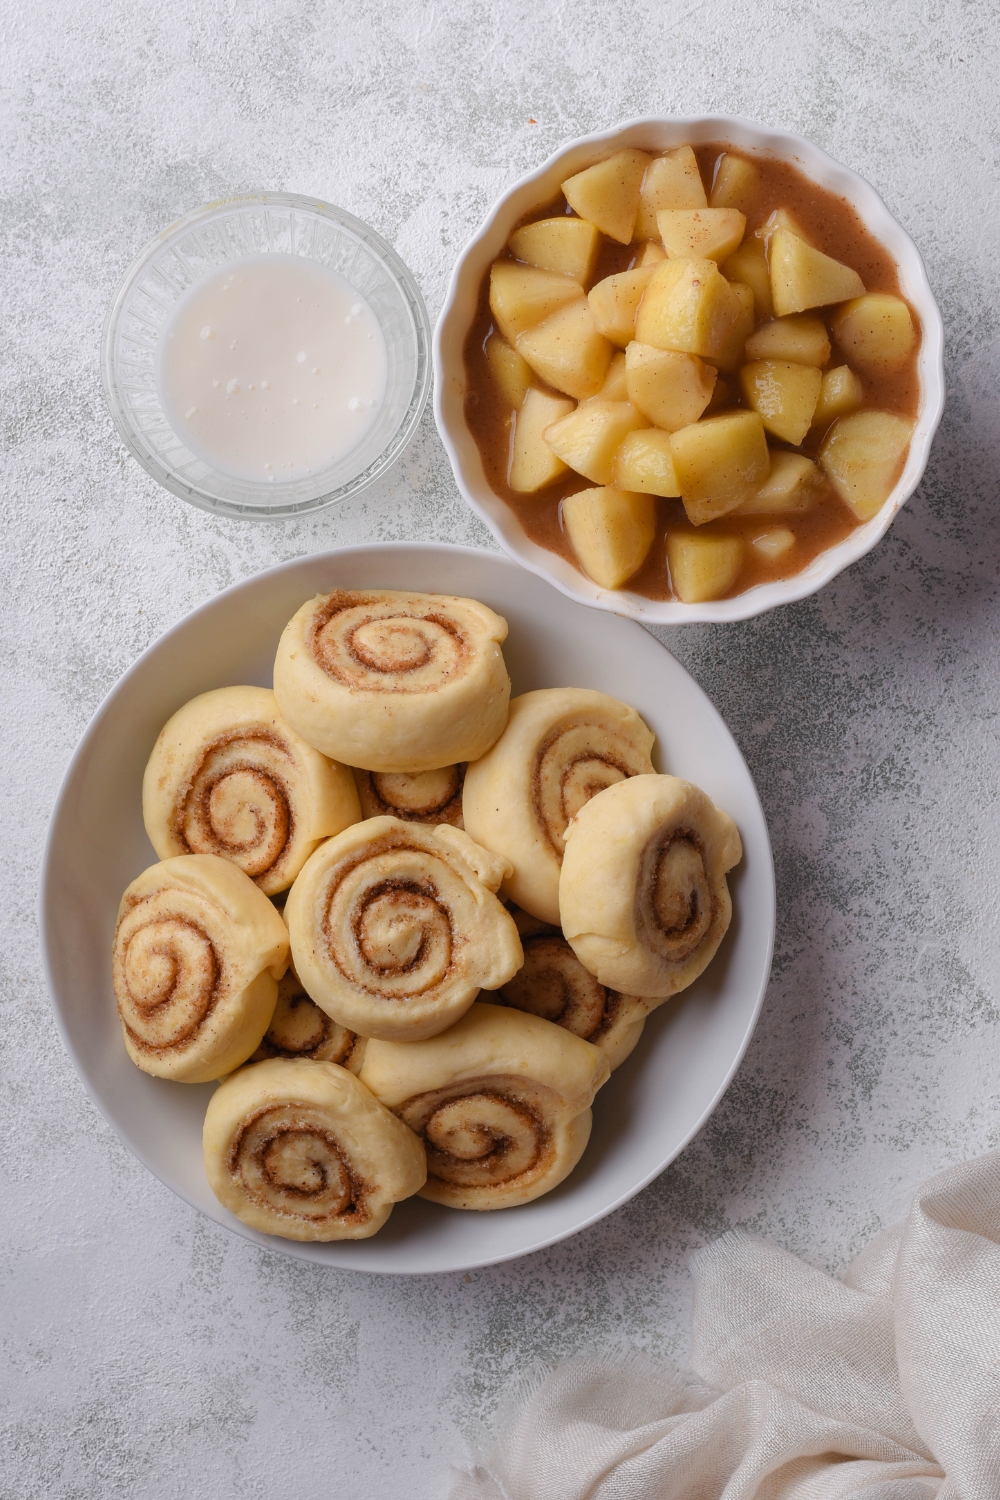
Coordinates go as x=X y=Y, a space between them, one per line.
x=239 y=804
x=416 y=797
x=572 y=765
x=394 y=927
x=554 y=984
x=229 y=777
x=501 y=1102
x=197 y=956
x=287 y=1160
x=166 y=975
x=393 y=681
x=562 y=748
x=674 y=903
x=301 y=1149
x=643 y=893
x=483 y=1133
x=300 y=1029
x=375 y=641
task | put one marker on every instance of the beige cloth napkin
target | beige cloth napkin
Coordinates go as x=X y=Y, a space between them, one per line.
x=882 y=1386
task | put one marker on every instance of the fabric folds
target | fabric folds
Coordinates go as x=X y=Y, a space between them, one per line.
x=883 y=1385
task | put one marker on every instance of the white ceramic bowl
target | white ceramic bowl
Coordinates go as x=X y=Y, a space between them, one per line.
x=206 y=238
x=540 y=187
x=690 y=1049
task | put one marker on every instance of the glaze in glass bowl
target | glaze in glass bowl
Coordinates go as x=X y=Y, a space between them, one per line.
x=256 y=224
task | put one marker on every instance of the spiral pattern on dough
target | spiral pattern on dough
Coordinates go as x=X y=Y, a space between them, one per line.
x=378 y=641
x=229 y=777
x=416 y=797
x=395 y=926
x=301 y=1149
x=393 y=681
x=643 y=892
x=501 y=1103
x=561 y=747
x=553 y=984
x=300 y=1029
x=197 y=955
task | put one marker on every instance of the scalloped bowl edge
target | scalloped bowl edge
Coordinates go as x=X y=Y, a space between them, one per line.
x=459 y=309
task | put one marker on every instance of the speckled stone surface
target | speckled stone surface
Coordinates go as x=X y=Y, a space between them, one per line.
x=147 y=1352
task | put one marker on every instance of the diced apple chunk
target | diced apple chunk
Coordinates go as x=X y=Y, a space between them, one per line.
x=781 y=219
x=614 y=302
x=566 y=245
x=863 y=455
x=876 y=332
x=607 y=194
x=533 y=464
x=732 y=353
x=672 y=389
x=688 y=306
x=589 y=437
x=614 y=387
x=522 y=296
x=703 y=567
x=511 y=373
x=671 y=181
x=800 y=338
x=840 y=393
x=774 y=543
x=784 y=394
x=650 y=255
x=611 y=532
x=734 y=183
x=567 y=351
x=645 y=463
x=792 y=486
x=719 y=463
x=802 y=277
x=700 y=233
x=748 y=265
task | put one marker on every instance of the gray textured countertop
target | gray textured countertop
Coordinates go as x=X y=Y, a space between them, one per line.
x=147 y=1352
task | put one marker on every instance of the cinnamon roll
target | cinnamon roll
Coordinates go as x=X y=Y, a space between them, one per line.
x=395 y=927
x=303 y=1150
x=391 y=681
x=414 y=796
x=300 y=1029
x=643 y=891
x=229 y=776
x=560 y=747
x=553 y=983
x=197 y=956
x=501 y=1103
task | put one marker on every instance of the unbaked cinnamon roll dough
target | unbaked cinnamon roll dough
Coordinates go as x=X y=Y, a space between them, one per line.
x=560 y=747
x=301 y=1149
x=392 y=681
x=501 y=1102
x=553 y=983
x=229 y=776
x=415 y=796
x=643 y=892
x=299 y=1028
x=198 y=952
x=395 y=927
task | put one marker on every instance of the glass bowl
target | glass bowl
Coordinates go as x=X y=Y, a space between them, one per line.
x=255 y=224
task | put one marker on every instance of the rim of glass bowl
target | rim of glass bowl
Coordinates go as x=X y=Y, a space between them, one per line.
x=187 y=477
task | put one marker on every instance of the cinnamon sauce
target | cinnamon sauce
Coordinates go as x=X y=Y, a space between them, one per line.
x=835 y=228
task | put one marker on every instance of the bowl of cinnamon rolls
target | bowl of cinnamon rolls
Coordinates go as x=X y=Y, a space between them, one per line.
x=423 y=954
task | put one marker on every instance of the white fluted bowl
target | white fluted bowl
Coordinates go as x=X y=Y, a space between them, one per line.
x=542 y=185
